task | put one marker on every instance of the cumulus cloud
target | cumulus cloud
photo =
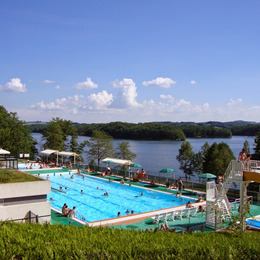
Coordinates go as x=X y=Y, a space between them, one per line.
x=57 y=87
x=233 y=102
x=99 y=101
x=47 y=81
x=14 y=85
x=168 y=98
x=192 y=82
x=126 y=97
x=160 y=82
x=61 y=103
x=88 y=84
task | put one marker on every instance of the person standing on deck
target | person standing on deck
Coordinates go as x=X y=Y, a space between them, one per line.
x=180 y=185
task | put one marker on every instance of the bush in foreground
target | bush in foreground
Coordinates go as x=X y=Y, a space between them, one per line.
x=33 y=241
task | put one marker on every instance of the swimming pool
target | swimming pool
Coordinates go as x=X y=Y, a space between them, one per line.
x=93 y=205
x=23 y=166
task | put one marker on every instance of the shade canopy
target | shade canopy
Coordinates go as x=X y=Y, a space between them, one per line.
x=65 y=153
x=167 y=170
x=108 y=161
x=135 y=165
x=2 y=151
x=49 y=151
x=207 y=176
x=117 y=161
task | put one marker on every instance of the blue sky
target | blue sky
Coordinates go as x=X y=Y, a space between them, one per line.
x=130 y=60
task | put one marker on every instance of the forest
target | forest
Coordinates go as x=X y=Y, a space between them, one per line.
x=163 y=130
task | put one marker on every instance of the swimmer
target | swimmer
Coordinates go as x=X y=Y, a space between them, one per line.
x=97 y=188
x=106 y=193
x=83 y=178
x=118 y=214
x=51 y=199
x=60 y=188
x=81 y=192
x=127 y=211
x=72 y=176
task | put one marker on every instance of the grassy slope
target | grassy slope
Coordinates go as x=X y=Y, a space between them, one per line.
x=66 y=242
x=11 y=176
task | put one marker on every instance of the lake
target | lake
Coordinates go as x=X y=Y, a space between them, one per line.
x=156 y=155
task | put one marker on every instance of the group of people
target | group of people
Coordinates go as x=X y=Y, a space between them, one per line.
x=67 y=212
x=140 y=175
x=163 y=227
x=127 y=213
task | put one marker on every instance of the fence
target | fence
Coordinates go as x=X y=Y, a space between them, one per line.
x=190 y=183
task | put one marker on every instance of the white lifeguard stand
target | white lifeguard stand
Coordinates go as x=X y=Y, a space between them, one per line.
x=218 y=207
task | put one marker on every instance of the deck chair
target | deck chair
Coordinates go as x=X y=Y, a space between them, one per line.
x=171 y=216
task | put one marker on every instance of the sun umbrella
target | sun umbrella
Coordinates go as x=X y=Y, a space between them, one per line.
x=167 y=170
x=2 y=151
x=108 y=161
x=135 y=165
x=207 y=176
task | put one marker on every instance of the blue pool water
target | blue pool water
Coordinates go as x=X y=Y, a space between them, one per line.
x=23 y=166
x=93 y=205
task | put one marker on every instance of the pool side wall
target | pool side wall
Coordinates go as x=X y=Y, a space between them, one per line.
x=17 y=199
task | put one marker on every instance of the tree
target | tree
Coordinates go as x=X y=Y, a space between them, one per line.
x=57 y=133
x=186 y=158
x=123 y=151
x=257 y=145
x=246 y=147
x=197 y=162
x=217 y=158
x=100 y=146
x=15 y=135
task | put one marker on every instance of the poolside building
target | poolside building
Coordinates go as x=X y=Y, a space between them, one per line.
x=24 y=200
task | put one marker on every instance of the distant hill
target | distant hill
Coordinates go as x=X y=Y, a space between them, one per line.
x=171 y=131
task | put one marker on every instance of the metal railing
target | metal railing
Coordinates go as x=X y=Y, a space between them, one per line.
x=193 y=184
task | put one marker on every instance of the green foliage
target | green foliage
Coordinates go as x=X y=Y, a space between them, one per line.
x=246 y=146
x=217 y=158
x=146 y=131
x=123 y=151
x=246 y=130
x=56 y=136
x=12 y=176
x=186 y=158
x=14 y=135
x=196 y=131
x=257 y=145
x=33 y=241
x=100 y=146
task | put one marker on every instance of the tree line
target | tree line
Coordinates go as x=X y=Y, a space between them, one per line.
x=162 y=130
x=211 y=159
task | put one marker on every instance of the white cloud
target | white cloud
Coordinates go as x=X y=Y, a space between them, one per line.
x=61 y=103
x=234 y=102
x=57 y=87
x=14 y=85
x=160 y=82
x=167 y=98
x=126 y=97
x=193 y=82
x=99 y=101
x=47 y=81
x=88 y=84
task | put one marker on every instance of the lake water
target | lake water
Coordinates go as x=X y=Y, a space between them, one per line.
x=156 y=155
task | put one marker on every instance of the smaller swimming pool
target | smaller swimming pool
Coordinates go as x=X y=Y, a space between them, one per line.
x=23 y=166
x=93 y=205
x=254 y=223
